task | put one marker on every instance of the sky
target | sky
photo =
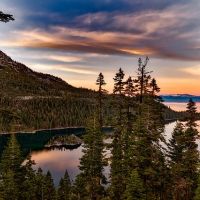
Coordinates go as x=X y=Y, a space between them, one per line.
x=77 y=39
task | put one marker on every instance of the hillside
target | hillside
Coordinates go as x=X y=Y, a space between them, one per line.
x=30 y=100
x=17 y=79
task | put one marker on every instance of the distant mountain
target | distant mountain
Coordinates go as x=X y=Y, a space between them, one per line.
x=180 y=98
x=16 y=79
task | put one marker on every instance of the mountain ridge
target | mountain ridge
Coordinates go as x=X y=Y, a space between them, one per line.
x=180 y=98
x=16 y=79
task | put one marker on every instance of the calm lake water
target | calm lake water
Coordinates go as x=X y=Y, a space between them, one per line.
x=180 y=106
x=58 y=161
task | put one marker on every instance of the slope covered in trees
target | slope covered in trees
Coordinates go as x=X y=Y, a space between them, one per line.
x=30 y=100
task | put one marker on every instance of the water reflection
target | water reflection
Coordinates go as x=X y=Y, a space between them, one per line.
x=57 y=162
x=180 y=106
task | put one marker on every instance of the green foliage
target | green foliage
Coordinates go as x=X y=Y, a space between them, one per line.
x=184 y=156
x=117 y=179
x=10 y=170
x=197 y=192
x=5 y=17
x=49 y=189
x=64 y=189
x=134 y=188
x=91 y=177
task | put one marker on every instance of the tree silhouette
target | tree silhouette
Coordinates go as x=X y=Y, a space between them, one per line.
x=5 y=17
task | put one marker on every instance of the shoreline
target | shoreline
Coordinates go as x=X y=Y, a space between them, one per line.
x=52 y=129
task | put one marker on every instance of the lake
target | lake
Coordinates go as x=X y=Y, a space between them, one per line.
x=180 y=106
x=58 y=161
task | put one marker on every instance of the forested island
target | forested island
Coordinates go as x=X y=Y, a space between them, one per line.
x=143 y=165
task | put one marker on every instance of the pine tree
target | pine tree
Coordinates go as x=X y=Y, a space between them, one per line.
x=129 y=89
x=184 y=156
x=11 y=170
x=5 y=17
x=134 y=188
x=91 y=164
x=100 y=82
x=154 y=87
x=64 y=188
x=117 y=186
x=40 y=184
x=143 y=79
x=10 y=189
x=29 y=185
x=176 y=154
x=148 y=132
x=117 y=179
x=197 y=192
x=191 y=154
x=11 y=158
x=49 y=189
x=118 y=82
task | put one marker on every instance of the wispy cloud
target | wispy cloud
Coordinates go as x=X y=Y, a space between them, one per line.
x=172 y=32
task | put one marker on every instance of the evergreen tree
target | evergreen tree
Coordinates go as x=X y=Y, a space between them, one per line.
x=154 y=87
x=49 y=189
x=143 y=79
x=11 y=170
x=64 y=188
x=11 y=157
x=40 y=184
x=176 y=154
x=10 y=189
x=134 y=188
x=129 y=89
x=191 y=154
x=100 y=82
x=116 y=172
x=119 y=91
x=148 y=133
x=91 y=164
x=5 y=17
x=29 y=186
x=117 y=179
x=197 y=192
x=184 y=156
x=118 y=82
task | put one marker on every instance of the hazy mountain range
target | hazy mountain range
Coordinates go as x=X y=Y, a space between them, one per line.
x=180 y=98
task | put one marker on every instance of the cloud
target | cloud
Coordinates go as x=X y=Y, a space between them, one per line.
x=89 y=36
x=194 y=71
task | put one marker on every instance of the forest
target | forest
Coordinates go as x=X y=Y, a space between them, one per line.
x=143 y=165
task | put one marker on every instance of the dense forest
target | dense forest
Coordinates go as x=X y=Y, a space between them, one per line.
x=142 y=168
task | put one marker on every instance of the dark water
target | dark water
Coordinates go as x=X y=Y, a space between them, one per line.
x=57 y=161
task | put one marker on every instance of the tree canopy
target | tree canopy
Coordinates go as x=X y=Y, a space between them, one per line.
x=6 y=17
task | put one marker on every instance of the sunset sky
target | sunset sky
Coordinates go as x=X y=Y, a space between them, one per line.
x=77 y=39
